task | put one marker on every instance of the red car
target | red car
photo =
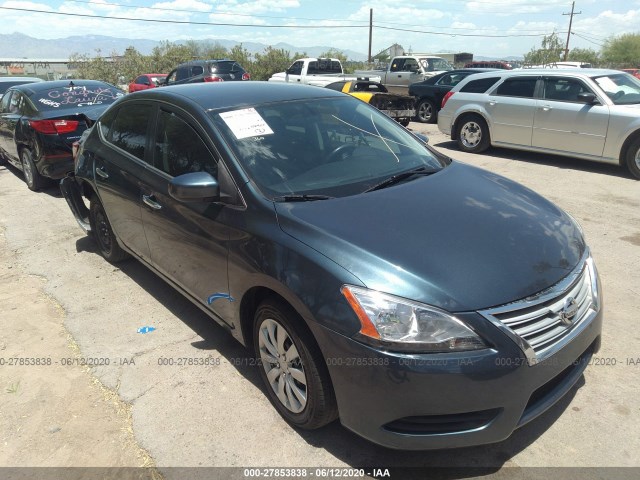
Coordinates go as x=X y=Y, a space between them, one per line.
x=633 y=71
x=146 y=80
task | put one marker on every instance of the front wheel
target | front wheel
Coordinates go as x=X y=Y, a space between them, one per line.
x=473 y=134
x=103 y=234
x=633 y=158
x=32 y=177
x=426 y=111
x=292 y=369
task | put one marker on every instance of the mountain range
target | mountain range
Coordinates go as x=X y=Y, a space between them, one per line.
x=18 y=45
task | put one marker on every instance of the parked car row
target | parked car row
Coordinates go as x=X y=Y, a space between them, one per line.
x=345 y=253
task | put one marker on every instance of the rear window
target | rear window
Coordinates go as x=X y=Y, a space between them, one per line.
x=76 y=96
x=225 y=67
x=323 y=67
x=480 y=85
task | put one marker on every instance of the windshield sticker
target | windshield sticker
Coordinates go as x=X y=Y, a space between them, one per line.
x=246 y=123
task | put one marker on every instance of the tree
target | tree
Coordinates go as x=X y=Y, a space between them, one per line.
x=270 y=61
x=551 y=51
x=587 y=55
x=622 y=51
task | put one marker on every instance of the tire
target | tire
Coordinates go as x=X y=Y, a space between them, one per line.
x=404 y=122
x=473 y=134
x=32 y=177
x=103 y=234
x=633 y=158
x=277 y=331
x=426 y=111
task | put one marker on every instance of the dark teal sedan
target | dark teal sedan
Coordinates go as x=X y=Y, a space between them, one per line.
x=423 y=302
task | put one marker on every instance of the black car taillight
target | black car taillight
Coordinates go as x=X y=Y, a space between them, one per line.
x=246 y=76
x=53 y=127
x=213 y=78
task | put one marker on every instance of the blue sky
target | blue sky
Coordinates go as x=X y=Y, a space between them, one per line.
x=496 y=28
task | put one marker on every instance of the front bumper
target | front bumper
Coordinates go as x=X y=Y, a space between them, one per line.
x=434 y=401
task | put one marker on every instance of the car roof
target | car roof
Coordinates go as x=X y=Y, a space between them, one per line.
x=589 y=72
x=31 y=88
x=235 y=94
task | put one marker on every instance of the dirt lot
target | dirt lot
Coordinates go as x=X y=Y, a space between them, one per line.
x=59 y=300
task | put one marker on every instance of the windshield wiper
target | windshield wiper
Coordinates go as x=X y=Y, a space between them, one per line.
x=399 y=177
x=301 y=198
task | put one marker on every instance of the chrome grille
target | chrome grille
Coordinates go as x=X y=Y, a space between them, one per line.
x=542 y=324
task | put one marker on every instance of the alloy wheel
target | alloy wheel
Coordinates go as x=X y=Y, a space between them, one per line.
x=282 y=365
x=26 y=168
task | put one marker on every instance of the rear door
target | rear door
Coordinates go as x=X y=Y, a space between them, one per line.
x=188 y=241
x=121 y=163
x=511 y=108
x=566 y=124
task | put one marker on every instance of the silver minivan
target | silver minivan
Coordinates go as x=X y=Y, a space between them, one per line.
x=584 y=113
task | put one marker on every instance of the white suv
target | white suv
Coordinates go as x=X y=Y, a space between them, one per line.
x=585 y=113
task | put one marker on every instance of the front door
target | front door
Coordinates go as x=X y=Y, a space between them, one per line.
x=188 y=241
x=566 y=124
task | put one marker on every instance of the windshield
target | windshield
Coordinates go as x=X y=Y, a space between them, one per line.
x=622 y=88
x=76 y=96
x=329 y=146
x=435 y=64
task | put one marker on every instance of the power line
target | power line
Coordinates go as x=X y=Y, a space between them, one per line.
x=179 y=22
x=190 y=22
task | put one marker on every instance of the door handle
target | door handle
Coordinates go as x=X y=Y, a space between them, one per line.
x=546 y=108
x=492 y=102
x=101 y=173
x=150 y=201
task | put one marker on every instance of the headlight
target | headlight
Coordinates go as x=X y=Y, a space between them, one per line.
x=401 y=324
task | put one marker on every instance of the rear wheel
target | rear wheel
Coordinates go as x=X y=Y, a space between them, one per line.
x=426 y=111
x=633 y=158
x=292 y=367
x=103 y=234
x=32 y=177
x=473 y=134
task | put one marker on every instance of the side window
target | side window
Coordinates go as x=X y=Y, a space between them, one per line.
x=398 y=65
x=410 y=65
x=179 y=149
x=480 y=86
x=563 y=89
x=296 y=68
x=196 y=70
x=518 y=87
x=182 y=73
x=142 y=80
x=6 y=102
x=172 y=77
x=129 y=129
x=106 y=120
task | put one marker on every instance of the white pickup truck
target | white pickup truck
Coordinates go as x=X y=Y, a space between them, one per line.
x=316 y=71
x=407 y=69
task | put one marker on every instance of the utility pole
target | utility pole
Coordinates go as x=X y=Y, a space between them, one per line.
x=370 y=32
x=566 y=48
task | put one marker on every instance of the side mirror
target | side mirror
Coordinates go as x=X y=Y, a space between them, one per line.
x=587 y=97
x=194 y=187
x=422 y=137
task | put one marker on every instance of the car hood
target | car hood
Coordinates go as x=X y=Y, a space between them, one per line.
x=462 y=239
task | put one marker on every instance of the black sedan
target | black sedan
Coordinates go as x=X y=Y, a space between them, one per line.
x=430 y=92
x=40 y=121
x=425 y=302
